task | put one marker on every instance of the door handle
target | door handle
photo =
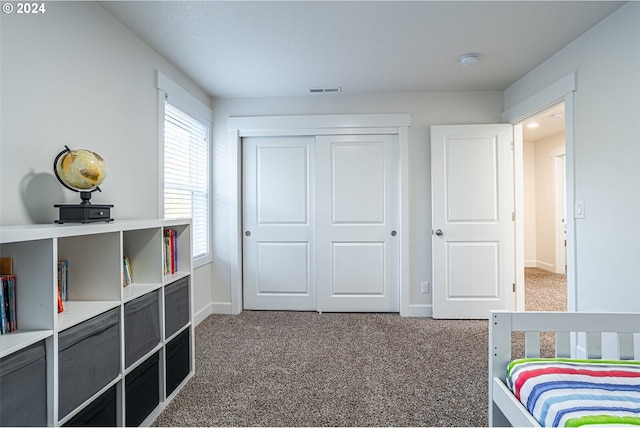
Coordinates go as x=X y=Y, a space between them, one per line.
x=439 y=232
x=394 y=233
x=248 y=233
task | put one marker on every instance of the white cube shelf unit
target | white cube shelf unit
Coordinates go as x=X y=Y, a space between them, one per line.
x=108 y=359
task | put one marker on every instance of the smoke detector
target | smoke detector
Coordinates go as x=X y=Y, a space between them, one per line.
x=468 y=59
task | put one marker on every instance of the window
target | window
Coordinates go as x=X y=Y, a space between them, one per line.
x=185 y=172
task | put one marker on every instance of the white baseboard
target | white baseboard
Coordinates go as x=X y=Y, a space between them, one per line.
x=546 y=266
x=223 y=308
x=421 y=311
x=540 y=265
x=212 y=308
x=202 y=315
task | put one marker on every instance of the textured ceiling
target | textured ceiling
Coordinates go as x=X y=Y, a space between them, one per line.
x=263 y=48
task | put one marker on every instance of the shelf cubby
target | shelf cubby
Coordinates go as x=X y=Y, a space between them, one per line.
x=144 y=249
x=105 y=356
x=183 y=241
x=34 y=270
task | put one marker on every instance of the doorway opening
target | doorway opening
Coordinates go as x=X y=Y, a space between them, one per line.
x=545 y=210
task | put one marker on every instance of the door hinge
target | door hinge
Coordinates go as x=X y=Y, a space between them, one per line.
x=513 y=216
x=514 y=287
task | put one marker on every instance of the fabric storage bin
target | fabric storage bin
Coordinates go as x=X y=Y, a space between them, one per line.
x=23 y=387
x=178 y=360
x=141 y=326
x=176 y=306
x=89 y=358
x=142 y=391
x=102 y=412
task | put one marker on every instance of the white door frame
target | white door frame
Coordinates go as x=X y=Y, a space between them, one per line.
x=561 y=90
x=345 y=124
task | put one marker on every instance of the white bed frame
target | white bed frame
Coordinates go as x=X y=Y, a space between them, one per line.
x=578 y=335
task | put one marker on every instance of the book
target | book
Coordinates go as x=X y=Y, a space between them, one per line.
x=6 y=266
x=63 y=285
x=8 y=316
x=13 y=322
x=60 y=303
x=172 y=249
x=3 y=321
x=126 y=271
x=175 y=250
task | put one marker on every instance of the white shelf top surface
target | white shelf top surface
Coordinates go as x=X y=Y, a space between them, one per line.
x=15 y=341
x=136 y=290
x=33 y=232
x=77 y=311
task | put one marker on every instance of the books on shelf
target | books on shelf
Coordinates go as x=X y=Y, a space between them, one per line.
x=8 y=316
x=60 y=303
x=63 y=288
x=170 y=251
x=63 y=268
x=127 y=276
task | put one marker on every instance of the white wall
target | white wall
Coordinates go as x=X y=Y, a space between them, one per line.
x=607 y=155
x=77 y=76
x=425 y=109
x=529 y=177
x=545 y=202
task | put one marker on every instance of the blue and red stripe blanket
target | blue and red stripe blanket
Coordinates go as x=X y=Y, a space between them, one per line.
x=568 y=392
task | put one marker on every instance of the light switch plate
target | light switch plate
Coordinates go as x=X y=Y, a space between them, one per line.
x=579 y=209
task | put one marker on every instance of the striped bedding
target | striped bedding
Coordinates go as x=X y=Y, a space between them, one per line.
x=571 y=393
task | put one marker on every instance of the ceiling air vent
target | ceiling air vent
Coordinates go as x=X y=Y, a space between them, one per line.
x=324 y=90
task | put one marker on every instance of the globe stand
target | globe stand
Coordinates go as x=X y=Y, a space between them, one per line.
x=85 y=211
x=79 y=213
x=86 y=198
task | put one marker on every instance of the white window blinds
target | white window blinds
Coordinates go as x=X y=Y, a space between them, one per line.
x=186 y=174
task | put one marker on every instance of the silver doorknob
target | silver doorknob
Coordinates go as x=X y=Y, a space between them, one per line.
x=439 y=232
x=247 y=233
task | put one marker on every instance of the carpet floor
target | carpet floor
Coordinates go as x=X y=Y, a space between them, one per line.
x=545 y=291
x=263 y=368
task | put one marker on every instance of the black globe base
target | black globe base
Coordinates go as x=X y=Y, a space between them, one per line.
x=84 y=213
x=86 y=198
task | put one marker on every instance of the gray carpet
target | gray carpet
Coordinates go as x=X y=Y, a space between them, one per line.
x=545 y=291
x=309 y=369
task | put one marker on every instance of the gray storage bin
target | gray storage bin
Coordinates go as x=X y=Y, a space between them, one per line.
x=141 y=326
x=178 y=360
x=23 y=387
x=89 y=358
x=176 y=306
x=142 y=391
x=101 y=412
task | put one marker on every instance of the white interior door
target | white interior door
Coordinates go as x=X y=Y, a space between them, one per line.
x=472 y=178
x=278 y=222
x=357 y=219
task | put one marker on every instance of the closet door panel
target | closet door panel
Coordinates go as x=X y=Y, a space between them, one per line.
x=278 y=222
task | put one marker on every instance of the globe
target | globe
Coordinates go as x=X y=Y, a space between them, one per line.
x=81 y=170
